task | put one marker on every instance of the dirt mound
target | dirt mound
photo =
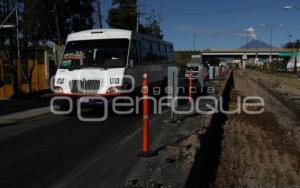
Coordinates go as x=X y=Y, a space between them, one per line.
x=257 y=151
x=252 y=158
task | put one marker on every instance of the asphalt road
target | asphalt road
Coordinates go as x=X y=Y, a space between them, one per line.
x=61 y=151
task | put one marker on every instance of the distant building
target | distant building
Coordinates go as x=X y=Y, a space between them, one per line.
x=291 y=63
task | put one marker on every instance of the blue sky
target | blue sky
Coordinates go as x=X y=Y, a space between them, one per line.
x=221 y=23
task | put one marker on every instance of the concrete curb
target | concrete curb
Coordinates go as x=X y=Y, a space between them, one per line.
x=20 y=117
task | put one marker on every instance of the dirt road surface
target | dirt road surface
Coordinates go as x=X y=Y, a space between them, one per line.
x=259 y=150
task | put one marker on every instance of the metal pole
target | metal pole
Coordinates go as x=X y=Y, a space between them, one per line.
x=3 y=22
x=247 y=40
x=100 y=15
x=271 y=40
x=194 y=38
x=190 y=85
x=17 y=33
x=57 y=24
x=137 y=17
x=18 y=50
x=173 y=96
x=137 y=22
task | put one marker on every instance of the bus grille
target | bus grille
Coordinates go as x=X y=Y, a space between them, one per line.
x=88 y=86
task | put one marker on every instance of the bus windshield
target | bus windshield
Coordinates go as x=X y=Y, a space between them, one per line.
x=108 y=53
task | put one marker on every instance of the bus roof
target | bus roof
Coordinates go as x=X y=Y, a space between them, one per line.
x=100 y=34
x=95 y=34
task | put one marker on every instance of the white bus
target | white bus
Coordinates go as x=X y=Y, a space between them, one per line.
x=96 y=62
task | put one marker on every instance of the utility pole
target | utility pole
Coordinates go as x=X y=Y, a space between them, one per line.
x=271 y=41
x=137 y=16
x=271 y=27
x=194 y=39
x=100 y=14
x=247 y=39
x=17 y=32
x=19 y=67
x=288 y=7
x=57 y=24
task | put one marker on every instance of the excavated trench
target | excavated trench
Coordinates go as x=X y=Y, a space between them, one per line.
x=204 y=170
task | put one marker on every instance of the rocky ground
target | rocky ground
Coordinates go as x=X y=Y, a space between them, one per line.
x=238 y=150
x=180 y=159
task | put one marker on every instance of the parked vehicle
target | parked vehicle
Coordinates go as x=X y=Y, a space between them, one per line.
x=194 y=66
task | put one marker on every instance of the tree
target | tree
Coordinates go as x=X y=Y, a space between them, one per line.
x=123 y=14
x=294 y=44
x=8 y=38
x=7 y=34
x=54 y=20
x=47 y=20
x=152 y=26
x=79 y=14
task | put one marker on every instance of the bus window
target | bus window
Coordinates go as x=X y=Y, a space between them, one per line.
x=170 y=53
x=163 y=53
x=146 y=44
x=155 y=46
x=105 y=53
x=155 y=52
x=146 y=51
x=135 y=52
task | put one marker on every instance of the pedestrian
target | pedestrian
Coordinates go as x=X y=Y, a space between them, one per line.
x=52 y=67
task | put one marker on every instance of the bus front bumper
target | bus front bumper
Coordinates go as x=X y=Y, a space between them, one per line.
x=86 y=101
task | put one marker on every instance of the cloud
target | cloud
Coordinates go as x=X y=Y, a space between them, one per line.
x=216 y=32
x=251 y=33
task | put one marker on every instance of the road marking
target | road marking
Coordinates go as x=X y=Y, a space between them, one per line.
x=132 y=135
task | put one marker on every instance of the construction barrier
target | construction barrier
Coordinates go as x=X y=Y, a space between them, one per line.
x=146 y=152
x=211 y=73
x=190 y=85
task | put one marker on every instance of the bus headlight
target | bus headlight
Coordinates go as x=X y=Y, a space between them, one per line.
x=114 y=90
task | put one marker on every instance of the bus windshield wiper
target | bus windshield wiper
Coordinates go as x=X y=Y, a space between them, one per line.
x=73 y=67
x=85 y=66
x=97 y=65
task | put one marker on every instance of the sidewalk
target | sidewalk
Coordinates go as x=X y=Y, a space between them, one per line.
x=18 y=110
x=14 y=106
x=22 y=116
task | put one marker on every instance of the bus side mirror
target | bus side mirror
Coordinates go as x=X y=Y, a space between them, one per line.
x=131 y=64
